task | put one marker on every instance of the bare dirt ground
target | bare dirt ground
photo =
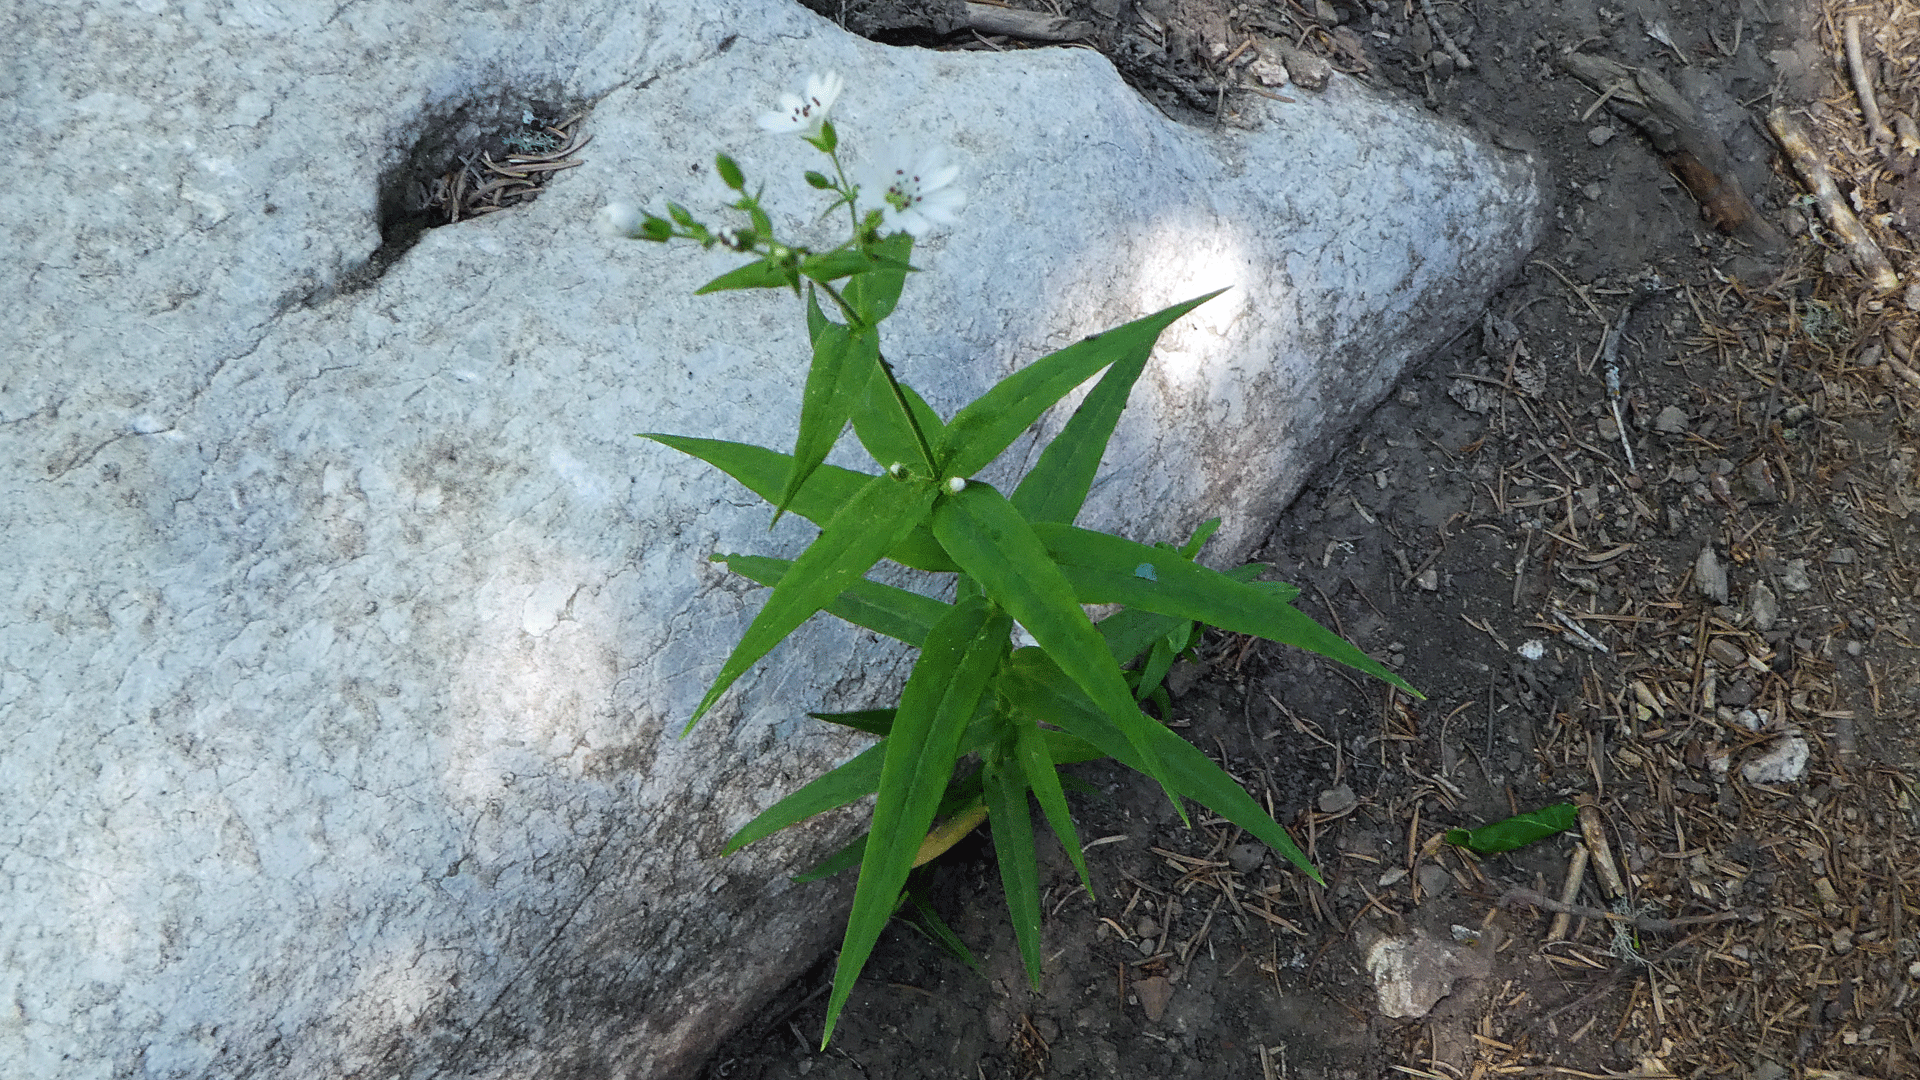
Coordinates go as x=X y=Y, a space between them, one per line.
x=1721 y=615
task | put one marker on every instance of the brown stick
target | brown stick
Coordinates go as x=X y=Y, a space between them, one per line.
x=1576 y=873
x=1866 y=254
x=1026 y=25
x=1877 y=129
x=1526 y=897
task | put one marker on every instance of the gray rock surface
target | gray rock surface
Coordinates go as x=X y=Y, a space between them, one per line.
x=347 y=633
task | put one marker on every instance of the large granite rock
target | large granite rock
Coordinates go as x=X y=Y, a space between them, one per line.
x=346 y=631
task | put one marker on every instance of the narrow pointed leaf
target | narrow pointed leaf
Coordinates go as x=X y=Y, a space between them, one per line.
x=941 y=697
x=840 y=861
x=829 y=488
x=834 y=265
x=989 y=425
x=883 y=609
x=998 y=549
x=1038 y=763
x=1130 y=631
x=872 y=721
x=1019 y=863
x=1199 y=538
x=1517 y=831
x=754 y=275
x=1034 y=685
x=928 y=921
x=1108 y=569
x=884 y=511
x=1056 y=487
x=836 y=383
x=850 y=782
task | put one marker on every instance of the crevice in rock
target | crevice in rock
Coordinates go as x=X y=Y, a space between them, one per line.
x=471 y=158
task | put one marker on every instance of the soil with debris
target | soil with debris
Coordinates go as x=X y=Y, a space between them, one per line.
x=1686 y=607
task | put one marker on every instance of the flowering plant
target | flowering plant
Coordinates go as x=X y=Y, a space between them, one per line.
x=982 y=720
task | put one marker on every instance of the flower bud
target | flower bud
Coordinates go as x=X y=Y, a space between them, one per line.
x=956 y=484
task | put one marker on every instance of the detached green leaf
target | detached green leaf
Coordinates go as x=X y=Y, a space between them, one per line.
x=851 y=781
x=1518 y=831
x=1019 y=863
x=1033 y=684
x=941 y=696
x=983 y=429
x=876 y=519
x=1113 y=570
x=996 y=547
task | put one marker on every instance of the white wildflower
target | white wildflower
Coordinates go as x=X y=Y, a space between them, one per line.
x=804 y=115
x=956 y=484
x=913 y=190
x=620 y=219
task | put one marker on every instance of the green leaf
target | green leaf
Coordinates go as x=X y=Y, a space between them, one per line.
x=1038 y=763
x=825 y=492
x=849 y=782
x=883 y=430
x=996 y=547
x=989 y=425
x=874 y=293
x=941 y=696
x=834 y=265
x=883 y=609
x=755 y=275
x=1130 y=632
x=1518 y=831
x=873 y=521
x=1160 y=660
x=1019 y=863
x=1199 y=539
x=836 y=382
x=1033 y=684
x=1056 y=487
x=872 y=721
x=845 y=859
x=929 y=922
x=729 y=172
x=1109 y=570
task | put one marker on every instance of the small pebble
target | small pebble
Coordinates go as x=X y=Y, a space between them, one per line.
x=1729 y=654
x=1601 y=135
x=1338 y=800
x=1794 y=577
x=1709 y=576
x=1764 y=606
x=1670 y=420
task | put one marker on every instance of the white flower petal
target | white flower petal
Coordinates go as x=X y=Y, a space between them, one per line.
x=805 y=115
x=912 y=190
